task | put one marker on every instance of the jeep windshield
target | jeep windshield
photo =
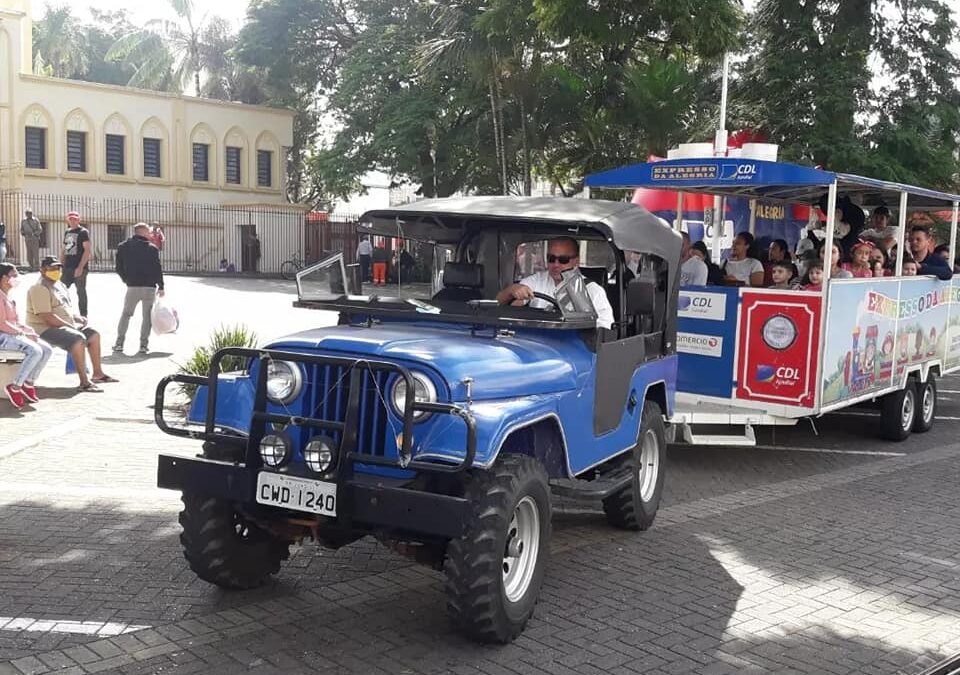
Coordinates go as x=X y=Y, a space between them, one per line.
x=433 y=287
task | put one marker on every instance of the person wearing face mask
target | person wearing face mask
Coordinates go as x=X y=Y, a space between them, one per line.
x=50 y=314
x=18 y=337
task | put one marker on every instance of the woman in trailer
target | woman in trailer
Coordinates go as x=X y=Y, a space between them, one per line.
x=836 y=271
x=742 y=269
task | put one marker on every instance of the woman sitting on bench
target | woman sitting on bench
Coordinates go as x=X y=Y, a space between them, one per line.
x=19 y=337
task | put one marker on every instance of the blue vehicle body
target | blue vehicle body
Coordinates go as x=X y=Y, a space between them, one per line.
x=528 y=377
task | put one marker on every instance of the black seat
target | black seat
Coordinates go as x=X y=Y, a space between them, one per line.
x=461 y=282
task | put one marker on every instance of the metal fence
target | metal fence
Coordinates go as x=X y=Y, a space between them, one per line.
x=198 y=236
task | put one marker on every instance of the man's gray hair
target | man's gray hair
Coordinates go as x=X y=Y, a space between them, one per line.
x=141 y=226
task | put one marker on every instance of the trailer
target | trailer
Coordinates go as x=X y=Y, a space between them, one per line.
x=751 y=357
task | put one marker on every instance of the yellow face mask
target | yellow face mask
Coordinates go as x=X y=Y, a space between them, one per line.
x=53 y=275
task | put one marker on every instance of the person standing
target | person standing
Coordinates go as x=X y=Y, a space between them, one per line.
x=3 y=241
x=364 y=251
x=32 y=232
x=156 y=235
x=75 y=257
x=138 y=264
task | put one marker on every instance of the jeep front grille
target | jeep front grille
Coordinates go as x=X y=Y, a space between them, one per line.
x=328 y=388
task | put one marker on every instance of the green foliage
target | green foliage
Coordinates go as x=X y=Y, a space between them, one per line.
x=807 y=84
x=200 y=361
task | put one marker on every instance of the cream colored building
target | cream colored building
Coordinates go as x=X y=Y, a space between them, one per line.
x=71 y=138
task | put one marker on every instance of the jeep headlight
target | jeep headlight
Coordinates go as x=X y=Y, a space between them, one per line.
x=275 y=450
x=318 y=454
x=423 y=392
x=284 y=381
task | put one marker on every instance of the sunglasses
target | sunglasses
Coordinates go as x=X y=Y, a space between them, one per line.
x=562 y=259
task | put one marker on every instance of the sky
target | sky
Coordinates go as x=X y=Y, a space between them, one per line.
x=141 y=12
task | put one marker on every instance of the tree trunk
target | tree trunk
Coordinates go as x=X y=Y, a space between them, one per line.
x=496 y=132
x=527 y=178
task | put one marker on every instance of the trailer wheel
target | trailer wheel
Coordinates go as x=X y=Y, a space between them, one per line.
x=635 y=507
x=898 y=412
x=495 y=569
x=225 y=549
x=926 y=405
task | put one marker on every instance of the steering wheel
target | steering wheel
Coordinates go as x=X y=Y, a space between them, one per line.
x=553 y=301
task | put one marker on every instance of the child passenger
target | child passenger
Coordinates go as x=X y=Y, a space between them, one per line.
x=814 y=277
x=860 y=254
x=910 y=266
x=783 y=274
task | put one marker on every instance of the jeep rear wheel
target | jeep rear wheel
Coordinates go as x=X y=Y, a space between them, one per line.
x=635 y=506
x=224 y=548
x=495 y=570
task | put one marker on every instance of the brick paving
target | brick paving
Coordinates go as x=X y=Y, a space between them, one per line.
x=760 y=561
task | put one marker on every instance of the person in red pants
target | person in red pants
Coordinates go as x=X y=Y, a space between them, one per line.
x=380 y=257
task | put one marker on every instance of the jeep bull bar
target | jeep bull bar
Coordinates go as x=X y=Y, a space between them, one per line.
x=365 y=499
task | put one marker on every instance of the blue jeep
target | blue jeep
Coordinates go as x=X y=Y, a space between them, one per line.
x=436 y=419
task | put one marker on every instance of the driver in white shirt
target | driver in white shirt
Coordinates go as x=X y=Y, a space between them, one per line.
x=563 y=254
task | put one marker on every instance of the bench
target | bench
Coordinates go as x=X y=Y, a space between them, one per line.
x=9 y=365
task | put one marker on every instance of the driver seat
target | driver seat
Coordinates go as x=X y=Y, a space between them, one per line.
x=461 y=282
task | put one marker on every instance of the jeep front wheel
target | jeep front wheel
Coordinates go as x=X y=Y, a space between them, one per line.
x=635 y=506
x=224 y=548
x=495 y=570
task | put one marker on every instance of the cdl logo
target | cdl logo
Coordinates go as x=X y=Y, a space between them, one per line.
x=784 y=374
x=747 y=170
x=703 y=301
x=739 y=171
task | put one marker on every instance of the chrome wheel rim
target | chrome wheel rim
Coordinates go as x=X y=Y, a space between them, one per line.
x=907 y=410
x=649 y=465
x=521 y=549
x=926 y=403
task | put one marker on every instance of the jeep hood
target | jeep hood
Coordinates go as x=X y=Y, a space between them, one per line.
x=524 y=364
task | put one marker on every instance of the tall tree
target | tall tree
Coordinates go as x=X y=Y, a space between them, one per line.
x=60 y=45
x=165 y=54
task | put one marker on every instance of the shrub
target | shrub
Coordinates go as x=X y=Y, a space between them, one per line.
x=222 y=337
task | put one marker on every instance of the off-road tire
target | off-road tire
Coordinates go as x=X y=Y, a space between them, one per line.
x=635 y=506
x=924 y=419
x=223 y=548
x=894 y=425
x=475 y=562
x=288 y=271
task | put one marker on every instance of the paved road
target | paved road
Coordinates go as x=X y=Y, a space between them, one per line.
x=829 y=554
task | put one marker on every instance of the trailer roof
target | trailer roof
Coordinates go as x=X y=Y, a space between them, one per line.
x=759 y=179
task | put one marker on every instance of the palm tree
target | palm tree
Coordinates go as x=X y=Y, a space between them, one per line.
x=165 y=54
x=60 y=47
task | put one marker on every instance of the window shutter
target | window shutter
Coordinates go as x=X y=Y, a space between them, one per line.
x=201 y=166
x=151 y=158
x=233 y=165
x=264 y=168
x=77 y=151
x=115 y=159
x=36 y=148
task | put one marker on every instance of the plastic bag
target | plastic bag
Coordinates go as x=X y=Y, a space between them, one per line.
x=164 y=318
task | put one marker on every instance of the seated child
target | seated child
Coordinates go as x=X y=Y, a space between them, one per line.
x=879 y=263
x=814 y=277
x=783 y=274
x=910 y=266
x=860 y=254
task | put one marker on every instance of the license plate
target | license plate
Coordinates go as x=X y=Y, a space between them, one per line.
x=299 y=494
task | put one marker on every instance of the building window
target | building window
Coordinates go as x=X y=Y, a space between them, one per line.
x=264 y=168
x=36 y=150
x=151 y=158
x=77 y=151
x=233 y=165
x=115 y=147
x=201 y=164
x=115 y=236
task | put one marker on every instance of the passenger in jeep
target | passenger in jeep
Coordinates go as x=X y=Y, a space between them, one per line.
x=563 y=253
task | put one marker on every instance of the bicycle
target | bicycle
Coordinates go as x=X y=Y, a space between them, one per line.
x=289 y=268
